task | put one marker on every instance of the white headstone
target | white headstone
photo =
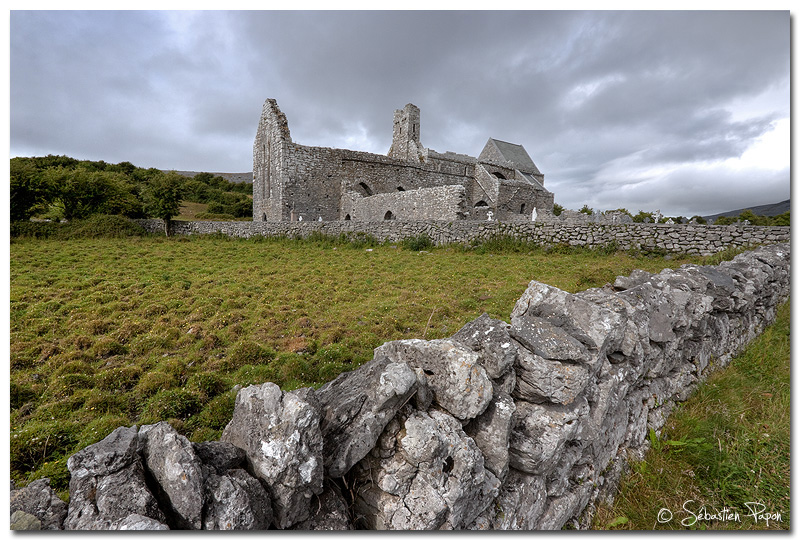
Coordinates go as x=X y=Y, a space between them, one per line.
x=533 y=214
x=300 y=218
x=489 y=215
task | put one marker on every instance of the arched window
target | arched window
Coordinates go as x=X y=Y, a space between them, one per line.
x=347 y=217
x=522 y=209
x=365 y=188
x=499 y=175
x=400 y=188
x=388 y=215
x=264 y=217
x=480 y=203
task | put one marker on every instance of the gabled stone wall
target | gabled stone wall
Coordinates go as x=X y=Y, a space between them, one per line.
x=519 y=425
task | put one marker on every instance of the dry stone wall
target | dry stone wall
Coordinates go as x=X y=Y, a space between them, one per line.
x=520 y=425
x=691 y=239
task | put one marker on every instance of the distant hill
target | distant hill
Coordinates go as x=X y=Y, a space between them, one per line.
x=230 y=177
x=774 y=209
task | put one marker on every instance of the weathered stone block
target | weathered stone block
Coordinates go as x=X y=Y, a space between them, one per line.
x=38 y=499
x=540 y=380
x=458 y=382
x=490 y=339
x=170 y=459
x=281 y=436
x=355 y=408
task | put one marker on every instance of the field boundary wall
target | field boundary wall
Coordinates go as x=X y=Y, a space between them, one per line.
x=691 y=239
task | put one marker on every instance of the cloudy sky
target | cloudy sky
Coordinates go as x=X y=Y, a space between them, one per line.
x=687 y=112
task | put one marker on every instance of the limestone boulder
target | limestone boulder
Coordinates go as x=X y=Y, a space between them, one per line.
x=279 y=432
x=235 y=501
x=518 y=506
x=592 y=323
x=220 y=455
x=39 y=500
x=330 y=512
x=541 y=433
x=23 y=521
x=434 y=479
x=136 y=522
x=548 y=381
x=490 y=339
x=356 y=407
x=491 y=431
x=548 y=341
x=108 y=484
x=456 y=378
x=170 y=459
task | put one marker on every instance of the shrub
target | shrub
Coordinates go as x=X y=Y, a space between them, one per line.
x=95 y=226
x=103 y=226
x=417 y=243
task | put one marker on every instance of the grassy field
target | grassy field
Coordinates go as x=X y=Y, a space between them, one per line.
x=725 y=453
x=110 y=332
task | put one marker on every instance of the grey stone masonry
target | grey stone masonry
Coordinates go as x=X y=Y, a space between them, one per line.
x=691 y=239
x=520 y=425
x=293 y=182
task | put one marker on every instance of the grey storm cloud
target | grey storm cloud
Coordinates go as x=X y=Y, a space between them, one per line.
x=633 y=109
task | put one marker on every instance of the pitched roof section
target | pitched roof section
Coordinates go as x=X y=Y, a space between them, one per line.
x=514 y=153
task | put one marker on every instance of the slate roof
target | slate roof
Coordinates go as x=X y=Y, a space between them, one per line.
x=516 y=154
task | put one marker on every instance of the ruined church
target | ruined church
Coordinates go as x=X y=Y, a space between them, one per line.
x=292 y=182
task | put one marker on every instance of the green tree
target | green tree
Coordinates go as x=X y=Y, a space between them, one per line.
x=621 y=210
x=81 y=192
x=781 y=220
x=557 y=209
x=29 y=191
x=699 y=219
x=725 y=220
x=162 y=197
x=586 y=210
x=642 y=216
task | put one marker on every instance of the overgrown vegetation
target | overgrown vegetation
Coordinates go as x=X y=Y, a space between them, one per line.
x=725 y=451
x=107 y=332
x=63 y=188
x=753 y=219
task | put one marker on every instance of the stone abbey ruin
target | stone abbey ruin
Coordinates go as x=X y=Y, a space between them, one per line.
x=292 y=182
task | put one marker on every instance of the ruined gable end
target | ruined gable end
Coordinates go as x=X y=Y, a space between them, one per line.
x=269 y=157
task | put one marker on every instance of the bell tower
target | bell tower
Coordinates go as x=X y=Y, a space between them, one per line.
x=405 y=134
